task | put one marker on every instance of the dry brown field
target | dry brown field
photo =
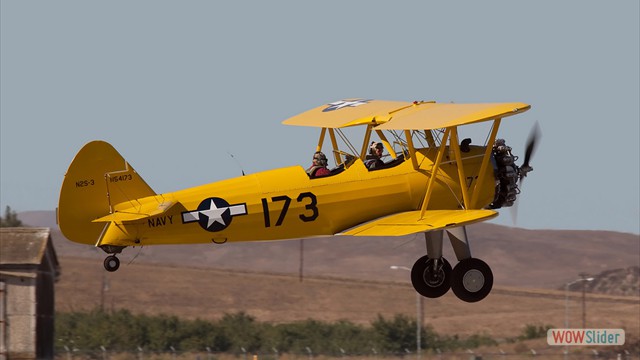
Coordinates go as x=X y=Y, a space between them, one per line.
x=350 y=279
x=210 y=293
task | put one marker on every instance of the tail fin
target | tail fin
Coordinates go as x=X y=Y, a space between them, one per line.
x=98 y=179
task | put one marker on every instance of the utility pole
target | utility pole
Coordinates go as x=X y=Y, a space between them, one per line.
x=103 y=290
x=301 y=258
x=583 y=277
x=419 y=315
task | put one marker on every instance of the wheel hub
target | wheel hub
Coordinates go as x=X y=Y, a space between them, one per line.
x=473 y=280
x=433 y=278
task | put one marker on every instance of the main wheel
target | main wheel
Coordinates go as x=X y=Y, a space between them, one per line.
x=111 y=263
x=430 y=278
x=471 y=280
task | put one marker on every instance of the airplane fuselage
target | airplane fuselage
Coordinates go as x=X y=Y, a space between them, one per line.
x=285 y=203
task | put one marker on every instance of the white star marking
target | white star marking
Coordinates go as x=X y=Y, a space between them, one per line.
x=344 y=103
x=214 y=214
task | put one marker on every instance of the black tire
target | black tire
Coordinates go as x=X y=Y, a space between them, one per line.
x=426 y=282
x=111 y=263
x=471 y=280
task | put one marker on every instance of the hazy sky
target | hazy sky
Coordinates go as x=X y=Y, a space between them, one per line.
x=178 y=86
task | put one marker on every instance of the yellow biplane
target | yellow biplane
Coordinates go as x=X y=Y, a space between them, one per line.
x=432 y=182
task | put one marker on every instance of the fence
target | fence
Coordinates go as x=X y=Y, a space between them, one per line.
x=529 y=354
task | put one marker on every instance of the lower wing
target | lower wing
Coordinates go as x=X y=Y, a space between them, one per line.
x=410 y=222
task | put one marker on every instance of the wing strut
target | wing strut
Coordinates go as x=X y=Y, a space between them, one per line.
x=386 y=144
x=321 y=140
x=453 y=144
x=334 y=144
x=412 y=150
x=365 y=144
x=429 y=136
x=434 y=172
x=485 y=162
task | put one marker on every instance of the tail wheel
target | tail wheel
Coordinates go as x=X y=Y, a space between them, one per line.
x=431 y=277
x=111 y=263
x=471 y=280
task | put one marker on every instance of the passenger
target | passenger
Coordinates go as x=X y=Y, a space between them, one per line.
x=374 y=158
x=319 y=166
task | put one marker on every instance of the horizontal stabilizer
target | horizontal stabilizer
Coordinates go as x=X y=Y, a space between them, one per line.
x=136 y=214
x=409 y=222
x=114 y=235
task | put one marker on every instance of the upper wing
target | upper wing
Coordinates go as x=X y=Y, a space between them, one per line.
x=348 y=112
x=429 y=115
x=409 y=223
x=402 y=115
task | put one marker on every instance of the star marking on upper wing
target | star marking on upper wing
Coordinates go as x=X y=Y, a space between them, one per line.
x=337 y=105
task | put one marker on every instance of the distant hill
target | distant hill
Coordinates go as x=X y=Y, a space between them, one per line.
x=624 y=282
x=518 y=257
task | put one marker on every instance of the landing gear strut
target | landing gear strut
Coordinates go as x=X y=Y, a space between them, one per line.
x=471 y=279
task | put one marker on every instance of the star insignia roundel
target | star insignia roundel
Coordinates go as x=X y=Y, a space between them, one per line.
x=214 y=214
x=345 y=103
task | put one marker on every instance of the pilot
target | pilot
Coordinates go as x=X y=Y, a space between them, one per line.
x=465 y=145
x=374 y=158
x=319 y=166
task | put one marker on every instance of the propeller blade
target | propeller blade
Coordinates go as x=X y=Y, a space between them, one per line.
x=532 y=141
x=514 y=213
x=514 y=208
x=534 y=136
x=530 y=149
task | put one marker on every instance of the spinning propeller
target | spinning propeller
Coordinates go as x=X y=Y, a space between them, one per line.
x=534 y=136
x=532 y=140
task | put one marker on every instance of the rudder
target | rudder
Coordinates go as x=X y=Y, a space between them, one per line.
x=97 y=180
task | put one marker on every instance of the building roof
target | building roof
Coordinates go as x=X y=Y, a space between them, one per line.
x=25 y=246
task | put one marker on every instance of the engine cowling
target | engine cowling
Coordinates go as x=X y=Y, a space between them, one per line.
x=506 y=174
